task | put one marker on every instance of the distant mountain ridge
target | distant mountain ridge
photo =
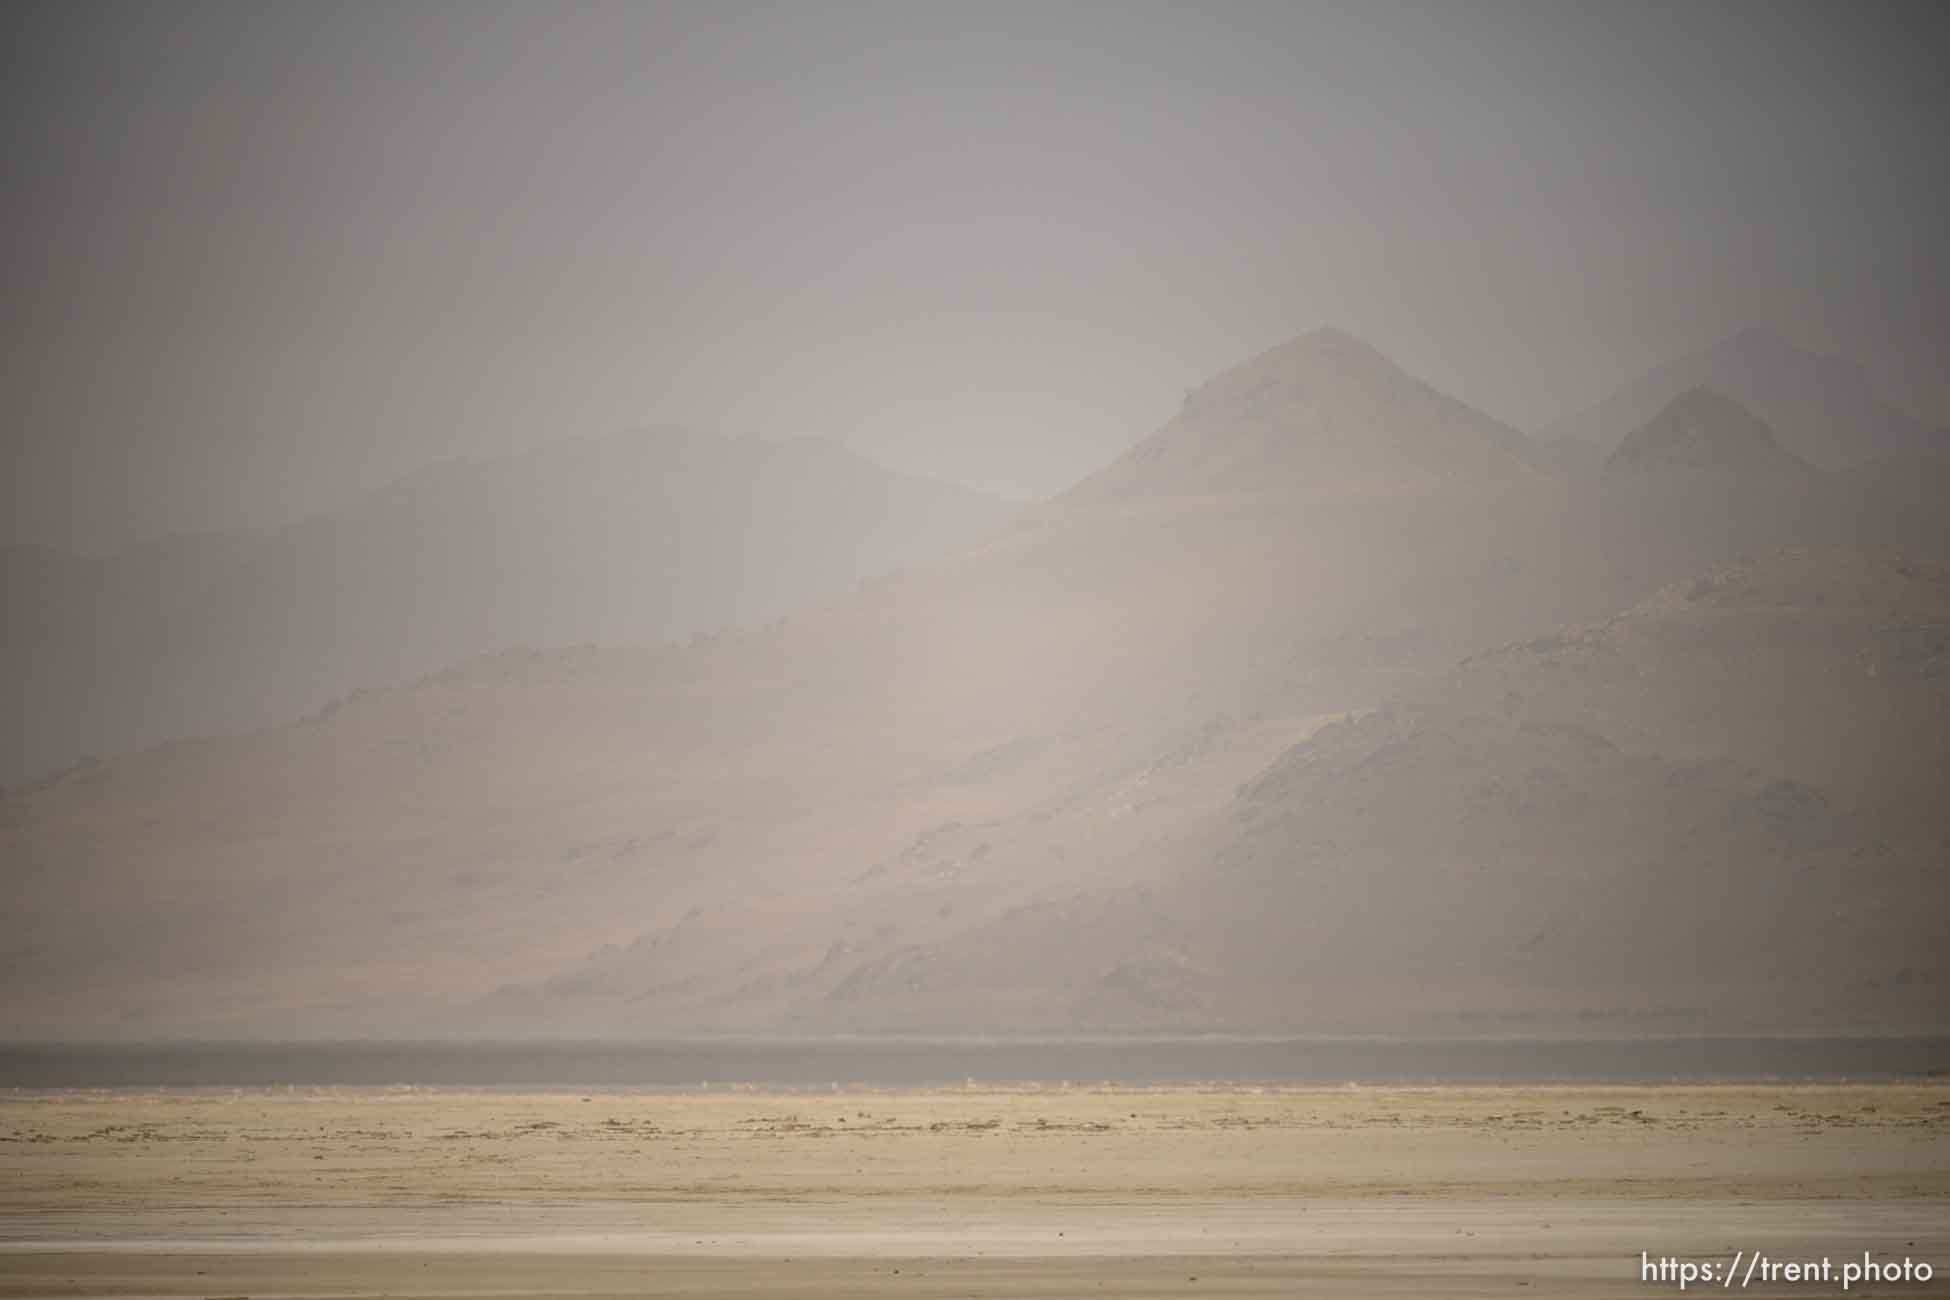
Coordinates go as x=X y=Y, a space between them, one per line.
x=1705 y=478
x=1702 y=432
x=634 y=537
x=1323 y=415
x=1822 y=409
x=1327 y=652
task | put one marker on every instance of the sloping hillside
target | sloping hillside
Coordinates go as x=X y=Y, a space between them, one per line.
x=1008 y=766
x=1707 y=480
x=1700 y=433
x=639 y=537
x=1822 y=409
x=1721 y=810
x=1322 y=417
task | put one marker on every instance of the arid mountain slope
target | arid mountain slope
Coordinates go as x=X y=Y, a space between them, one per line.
x=979 y=766
x=1702 y=433
x=1704 y=480
x=1707 y=480
x=1719 y=811
x=1322 y=417
x=639 y=537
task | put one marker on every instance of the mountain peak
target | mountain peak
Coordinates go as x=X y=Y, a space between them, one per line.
x=1323 y=415
x=1335 y=343
x=1762 y=352
x=1702 y=401
x=1821 y=408
x=1323 y=350
x=1310 y=367
x=1704 y=430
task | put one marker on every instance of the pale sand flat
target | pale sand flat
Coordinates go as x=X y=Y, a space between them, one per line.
x=1368 y=1192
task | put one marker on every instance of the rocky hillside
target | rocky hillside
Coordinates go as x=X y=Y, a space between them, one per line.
x=1701 y=433
x=1002 y=791
x=1720 y=810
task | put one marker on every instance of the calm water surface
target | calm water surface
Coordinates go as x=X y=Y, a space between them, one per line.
x=925 y=1063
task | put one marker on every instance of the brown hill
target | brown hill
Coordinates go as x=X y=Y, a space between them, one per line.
x=1701 y=433
x=1720 y=811
x=790 y=825
x=1706 y=480
x=1322 y=417
x=1823 y=409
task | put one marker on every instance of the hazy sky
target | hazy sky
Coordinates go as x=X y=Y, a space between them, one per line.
x=260 y=258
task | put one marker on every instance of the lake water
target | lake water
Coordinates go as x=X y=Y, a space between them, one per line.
x=937 y=1062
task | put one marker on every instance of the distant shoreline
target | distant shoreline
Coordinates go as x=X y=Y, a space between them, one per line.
x=882 y=1062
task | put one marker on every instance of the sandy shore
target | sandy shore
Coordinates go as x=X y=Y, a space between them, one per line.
x=1061 y=1192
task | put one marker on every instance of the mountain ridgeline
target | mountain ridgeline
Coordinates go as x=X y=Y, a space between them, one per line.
x=1820 y=408
x=1333 y=706
x=637 y=537
x=1702 y=434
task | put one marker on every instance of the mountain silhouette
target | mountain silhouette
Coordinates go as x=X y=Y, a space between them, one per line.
x=1701 y=432
x=1821 y=408
x=635 y=537
x=991 y=792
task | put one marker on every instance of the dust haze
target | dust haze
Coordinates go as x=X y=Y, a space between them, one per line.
x=620 y=521
x=946 y=649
